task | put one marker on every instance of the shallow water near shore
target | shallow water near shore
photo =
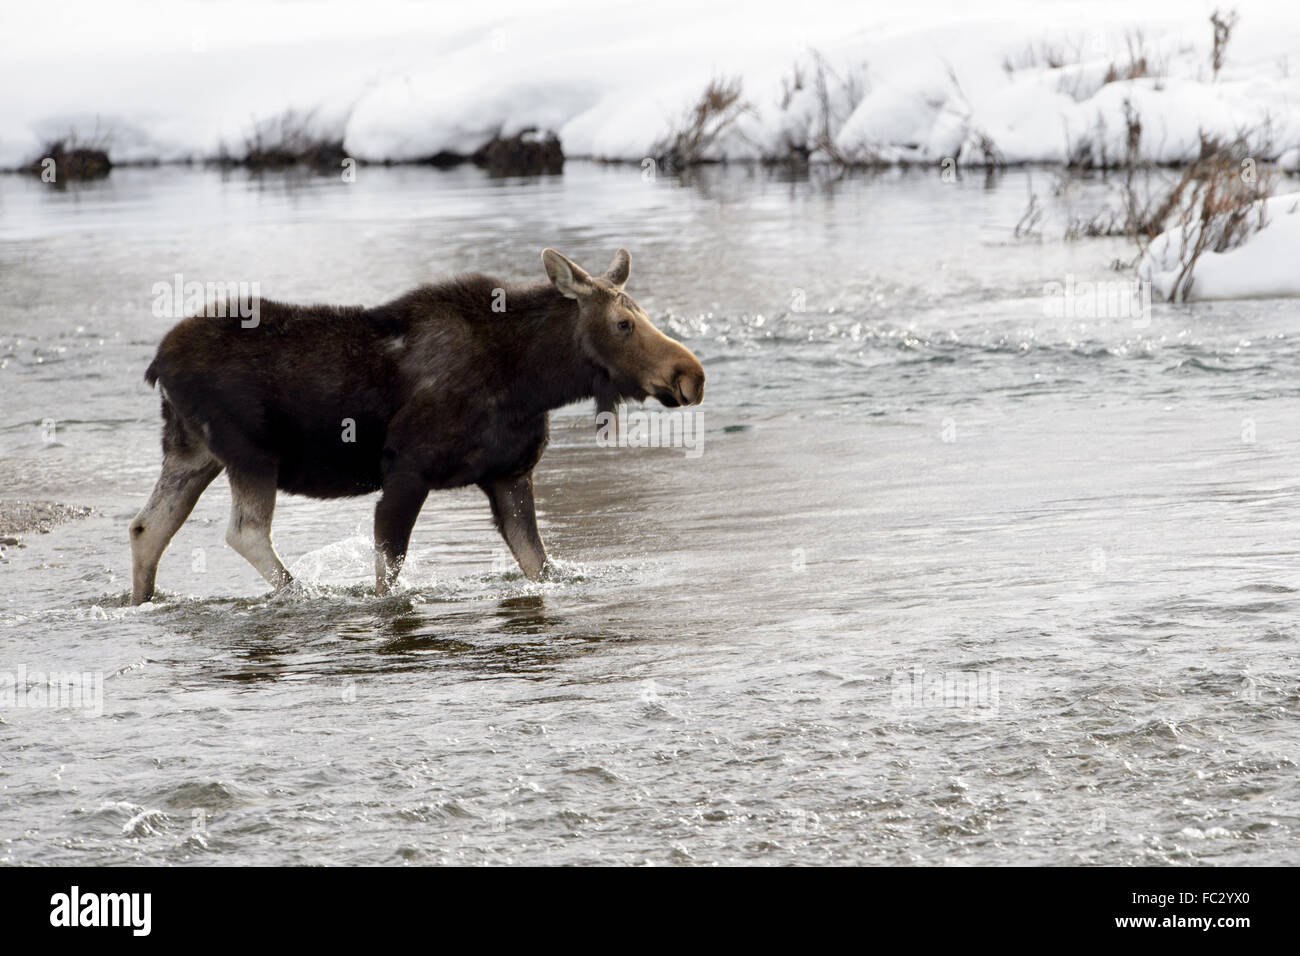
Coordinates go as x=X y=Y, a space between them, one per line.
x=952 y=581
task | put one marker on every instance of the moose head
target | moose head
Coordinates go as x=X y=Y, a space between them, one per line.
x=636 y=360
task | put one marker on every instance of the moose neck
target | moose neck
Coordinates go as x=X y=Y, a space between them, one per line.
x=555 y=369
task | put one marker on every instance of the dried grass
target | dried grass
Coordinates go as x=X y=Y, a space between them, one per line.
x=717 y=110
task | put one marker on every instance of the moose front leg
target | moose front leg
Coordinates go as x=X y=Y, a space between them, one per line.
x=516 y=519
x=395 y=516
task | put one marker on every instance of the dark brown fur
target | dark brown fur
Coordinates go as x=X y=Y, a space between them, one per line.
x=435 y=389
x=278 y=394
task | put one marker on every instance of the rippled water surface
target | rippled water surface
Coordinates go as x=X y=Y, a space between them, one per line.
x=909 y=473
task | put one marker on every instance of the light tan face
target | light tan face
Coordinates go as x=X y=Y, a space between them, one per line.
x=620 y=338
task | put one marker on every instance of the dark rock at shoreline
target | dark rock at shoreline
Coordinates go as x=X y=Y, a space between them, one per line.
x=443 y=160
x=72 y=164
x=320 y=156
x=527 y=153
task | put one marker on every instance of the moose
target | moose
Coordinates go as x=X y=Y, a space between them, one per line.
x=449 y=385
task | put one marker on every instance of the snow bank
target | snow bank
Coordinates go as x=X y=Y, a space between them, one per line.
x=401 y=81
x=1056 y=92
x=1266 y=264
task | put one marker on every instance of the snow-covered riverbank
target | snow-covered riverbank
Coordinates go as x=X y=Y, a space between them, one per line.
x=1263 y=265
x=395 y=81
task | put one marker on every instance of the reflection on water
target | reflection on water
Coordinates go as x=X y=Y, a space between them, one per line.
x=909 y=469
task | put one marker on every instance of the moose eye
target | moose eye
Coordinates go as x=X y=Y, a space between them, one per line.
x=625 y=325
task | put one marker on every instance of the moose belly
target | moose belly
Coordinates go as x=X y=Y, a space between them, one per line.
x=333 y=461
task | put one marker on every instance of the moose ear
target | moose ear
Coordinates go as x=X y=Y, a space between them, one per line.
x=620 y=268
x=566 y=275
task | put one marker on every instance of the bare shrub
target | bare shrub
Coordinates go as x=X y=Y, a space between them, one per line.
x=981 y=142
x=1222 y=23
x=1103 y=225
x=977 y=140
x=1214 y=205
x=75 y=157
x=1044 y=53
x=1028 y=226
x=835 y=95
x=1214 y=202
x=1143 y=61
x=716 y=111
x=848 y=90
x=1224 y=174
x=1223 y=206
x=291 y=138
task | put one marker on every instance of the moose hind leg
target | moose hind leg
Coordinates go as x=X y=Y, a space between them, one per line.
x=252 y=505
x=516 y=519
x=184 y=478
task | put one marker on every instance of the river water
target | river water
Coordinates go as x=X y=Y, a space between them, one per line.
x=957 y=577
